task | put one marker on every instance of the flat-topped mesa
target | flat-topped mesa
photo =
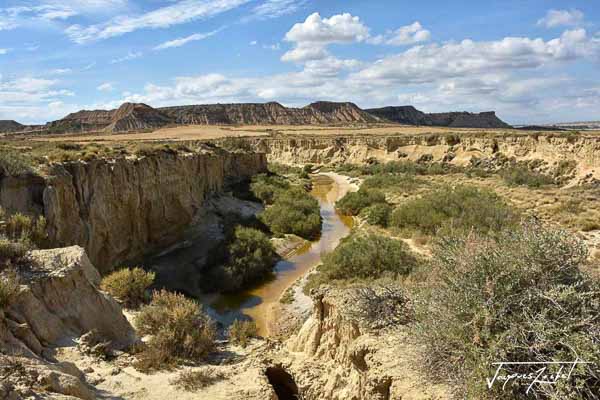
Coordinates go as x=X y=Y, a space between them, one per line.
x=409 y=115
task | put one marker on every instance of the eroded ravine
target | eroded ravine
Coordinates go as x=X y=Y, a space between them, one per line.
x=255 y=303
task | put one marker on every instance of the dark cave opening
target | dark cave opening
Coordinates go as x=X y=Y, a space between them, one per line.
x=283 y=383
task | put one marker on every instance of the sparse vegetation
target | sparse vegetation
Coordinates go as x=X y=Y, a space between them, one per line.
x=517 y=296
x=462 y=207
x=353 y=202
x=9 y=287
x=179 y=328
x=520 y=175
x=128 y=285
x=293 y=211
x=20 y=233
x=14 y=162
x=195 y=380
x=240 y=332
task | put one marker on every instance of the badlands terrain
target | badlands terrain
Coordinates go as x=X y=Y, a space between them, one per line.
x=324 y=252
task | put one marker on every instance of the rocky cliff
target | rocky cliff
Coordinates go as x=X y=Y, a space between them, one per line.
x=122 y=209
x=546 y=151
x=408 y=115
x=338 y=355
x=57 y=302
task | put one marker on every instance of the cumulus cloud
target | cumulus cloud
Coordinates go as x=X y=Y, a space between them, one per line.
x=342 y=28
x=184 y=40
x=421 y=64
x=132 y=55
x=555 y=18
x=105 y=87
x=179 y=13
x=409 y=34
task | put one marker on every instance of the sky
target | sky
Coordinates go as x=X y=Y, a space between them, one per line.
x=531 y=61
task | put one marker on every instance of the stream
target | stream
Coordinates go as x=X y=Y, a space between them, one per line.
x=256 y=302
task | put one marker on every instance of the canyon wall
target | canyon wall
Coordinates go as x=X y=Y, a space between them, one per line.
x=122 y=209
x=546 y=150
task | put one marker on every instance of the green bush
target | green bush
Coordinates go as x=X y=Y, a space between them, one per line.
x=377 y=214
x=353 y=202
x=364 y=257
x=294 y=211
x=265 y=187
x=251 y=257
x=128 y=285
x=9 y=287
x=14 y=163
x=402 y=182
x=463 y=207
x=180 y=331
x=522 y=176
x=12 y=251
x=241 y=331
x=518 y=297
x=399 y=167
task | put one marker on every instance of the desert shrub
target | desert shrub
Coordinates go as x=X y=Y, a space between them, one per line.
x=377 y=214
x=251 y=257
x=380 y=305
x=179 y=329
x=565 y=167
x=360 y=257
x=14 y=163
x=240 y=332
x=402 y=182
x=522 y=176
x=194 y=380
x=462 y=207
x=128 y=285
x=9 y=287
x=294 y=211
x=282 y=169
x=19 y=226
x=399 y=167
x=265 y=187
x=353 y=202
x=520 y=297
x=12 y=251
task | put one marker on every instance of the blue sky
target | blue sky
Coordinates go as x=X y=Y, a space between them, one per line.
x=531 y=61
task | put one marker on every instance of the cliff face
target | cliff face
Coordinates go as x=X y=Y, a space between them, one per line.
x=409 y=115
x=337 y=356
x=120 y=210
x=549 y=151
x=133 y=117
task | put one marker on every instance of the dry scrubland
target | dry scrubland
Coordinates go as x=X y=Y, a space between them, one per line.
x=456 y=266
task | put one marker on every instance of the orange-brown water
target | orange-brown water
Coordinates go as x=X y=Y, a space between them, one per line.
x=255 y=303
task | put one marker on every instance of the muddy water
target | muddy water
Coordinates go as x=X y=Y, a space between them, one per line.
x=255 y=303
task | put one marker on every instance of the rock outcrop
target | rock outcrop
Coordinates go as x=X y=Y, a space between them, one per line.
x=547 y=152
x=408 y=115
x=337 y=356
x=58 y=302
x=122 y=209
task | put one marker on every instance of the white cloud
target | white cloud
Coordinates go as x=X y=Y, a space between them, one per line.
x=13 y=17
x=4 y=51
x=312 y=36
x=274 y=47
x=409 y=34
x=184 y=40
x=253 y=43
x=106 y=87
x=60 y=71
x=342 y=28
x=277 y=8
x=556 y=18
x=132 y=55
x=421 y=64
x=182 y=12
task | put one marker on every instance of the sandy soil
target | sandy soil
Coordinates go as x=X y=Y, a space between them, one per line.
x=204 y=132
